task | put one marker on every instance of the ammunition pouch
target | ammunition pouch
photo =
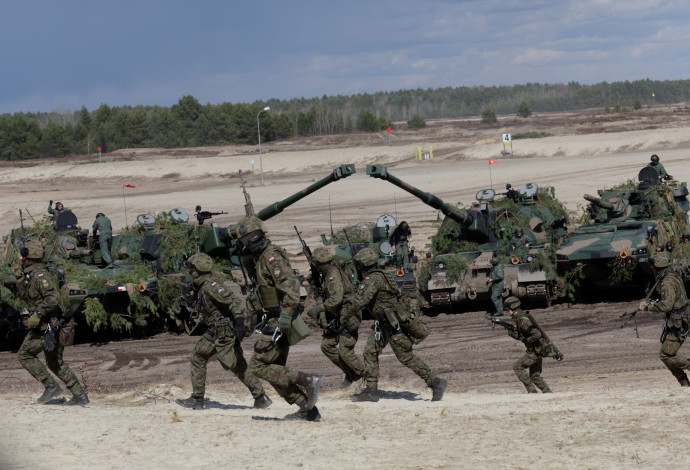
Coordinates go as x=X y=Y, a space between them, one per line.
x=66 y=333
x=351 y=324
x=211 y=334
x=415 y=328
x=268 y=296
x=299 y=328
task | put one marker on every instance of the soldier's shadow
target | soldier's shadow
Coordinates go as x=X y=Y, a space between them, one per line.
x=222 y=406
x=391 y=395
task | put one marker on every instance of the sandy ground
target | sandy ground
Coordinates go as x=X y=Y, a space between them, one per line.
x=614 y=406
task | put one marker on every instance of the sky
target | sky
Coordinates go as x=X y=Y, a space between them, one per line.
x=62 y=55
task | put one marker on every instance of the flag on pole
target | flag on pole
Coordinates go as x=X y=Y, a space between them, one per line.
x=492 y=162
x=127 y=186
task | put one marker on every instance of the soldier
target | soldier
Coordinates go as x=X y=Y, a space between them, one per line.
x=537 y=348
x=37 y=287
x=379 y=292
x=339 y=334
x=221 y=311
x=669 y=246
x=673 y=302
x=400 y=240
x=278 y=292
x=519 y=240
x=59 y=209
x=661 y=171
x=496 y=286
x=104 y=229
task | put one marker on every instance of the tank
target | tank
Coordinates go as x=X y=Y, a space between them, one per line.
x=454 y=277
x=621 y=230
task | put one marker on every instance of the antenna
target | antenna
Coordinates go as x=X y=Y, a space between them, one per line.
x=248 y=206
x=330 y=215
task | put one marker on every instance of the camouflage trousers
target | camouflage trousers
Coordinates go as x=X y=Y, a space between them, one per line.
x=28 y=357
x=402 y=252
x=105 y=240
x=402 y=347
x=531 y=362
x=670 y=358
x=268 y=363
x=340 y=349
x=231 y=357
x=497 y=296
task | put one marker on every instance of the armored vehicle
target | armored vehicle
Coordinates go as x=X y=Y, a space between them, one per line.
x=623 y=227
x=468 y=238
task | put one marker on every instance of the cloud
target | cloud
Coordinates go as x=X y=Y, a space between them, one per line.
x=537 y=56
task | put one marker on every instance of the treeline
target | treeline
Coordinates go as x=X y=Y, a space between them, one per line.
x=190 y=124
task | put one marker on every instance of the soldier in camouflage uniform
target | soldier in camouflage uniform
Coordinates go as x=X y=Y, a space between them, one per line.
x=519 y=241
x=656 y=164
x=339 y=337
x=673 y=302
x=537 y=348
x=222 y=312
x=400 y=240
x=496 y=280
x=279 y=297
x=380 y=294
x=59 y=209
x=36 y=286
x=104 y=229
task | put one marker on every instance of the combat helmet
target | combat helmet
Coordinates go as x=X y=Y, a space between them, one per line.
x=33 y=249
x=494 y=261
x=511 y=302
x=661 y=260
x=322 y=255
x=367 y=257
x=655 y=158
x=201 y=262
x=248 y=225
x=519 y=230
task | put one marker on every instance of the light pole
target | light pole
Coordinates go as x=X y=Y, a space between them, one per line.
x=258 y=128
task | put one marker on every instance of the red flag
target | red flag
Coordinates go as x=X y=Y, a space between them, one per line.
x=492 y=162
x=127 y=186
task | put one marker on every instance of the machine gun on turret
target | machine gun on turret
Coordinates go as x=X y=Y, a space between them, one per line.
x=205 y=215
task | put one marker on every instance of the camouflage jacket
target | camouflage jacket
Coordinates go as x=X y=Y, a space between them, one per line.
x=55 y=212
x=672 y=296
x=273 y=274
x=103 y=226
x=526 y=332
x=399 y=237
x=496 y=275
x=216 y=302
x=336 y=289
x=37 y=288
x=380 y=293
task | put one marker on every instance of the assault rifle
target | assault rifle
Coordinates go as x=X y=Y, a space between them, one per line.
x=22 y=240
x=248 y=206
x=352 y=253
x=506 y=325
x=205 y=215
x=315 y=275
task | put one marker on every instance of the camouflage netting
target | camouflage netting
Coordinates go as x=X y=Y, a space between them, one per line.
x=455 y=266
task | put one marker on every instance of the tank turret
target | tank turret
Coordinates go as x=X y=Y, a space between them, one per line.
x=461 y=216
x=343 y=171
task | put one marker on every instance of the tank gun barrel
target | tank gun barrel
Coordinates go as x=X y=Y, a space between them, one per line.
x=459 y=215
x=343 y=171
x=598 y=202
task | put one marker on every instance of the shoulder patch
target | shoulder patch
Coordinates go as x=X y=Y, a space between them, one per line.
x=214 y=284
x=45 y=283
x=366 y=278
x=330 y=278
x=271 y=259
x=40 y=275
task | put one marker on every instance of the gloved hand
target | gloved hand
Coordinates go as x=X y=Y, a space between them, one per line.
x=51 y=202
x=314 y=312
x=643 y=305
x=34 y=321
x=284 y=322
x=239 y=327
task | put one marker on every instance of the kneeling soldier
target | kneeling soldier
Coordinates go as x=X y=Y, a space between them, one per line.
x=37 y=287
x=380 y=293
x=221 y=311
x=538 y=347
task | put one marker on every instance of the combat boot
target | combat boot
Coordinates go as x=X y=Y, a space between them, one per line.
x=531 y=388
x=305 y=415
x=50 y=392
x=368 y=394
x=349 y=380
x=312 y=383
x=262 y=402
x=80 y=398
x=191 y=402
x=438 y=386
x=684 y=383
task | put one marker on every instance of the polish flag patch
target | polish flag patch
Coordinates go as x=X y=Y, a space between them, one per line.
x=214 y=284
x=121 y=288
x=40 y=275
x=366 y=278
x=330 y=278
x=271 y=259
